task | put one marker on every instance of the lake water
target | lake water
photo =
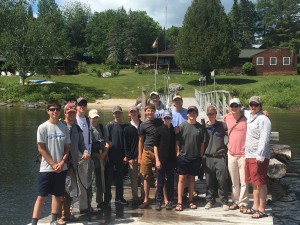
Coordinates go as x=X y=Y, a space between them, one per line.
x=19 y=171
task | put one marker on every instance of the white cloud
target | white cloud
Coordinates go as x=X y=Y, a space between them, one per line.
x=166 y=12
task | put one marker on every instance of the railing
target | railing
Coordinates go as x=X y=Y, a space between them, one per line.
x=219 y=99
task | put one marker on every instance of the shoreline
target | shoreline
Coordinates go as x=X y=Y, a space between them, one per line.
x=108 y=104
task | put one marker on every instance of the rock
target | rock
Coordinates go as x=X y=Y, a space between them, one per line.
x=107 y=74
x=173 y=87
x=2 y=89
x=105 y=96
x=282 y=150
x=9 y=105
x=276 y=169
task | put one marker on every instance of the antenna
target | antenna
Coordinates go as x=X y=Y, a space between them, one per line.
x=166 y=25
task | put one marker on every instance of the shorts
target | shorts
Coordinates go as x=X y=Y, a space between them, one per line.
x=187 y=166
x=52 y=183
x=256 y=173
x=148 y=161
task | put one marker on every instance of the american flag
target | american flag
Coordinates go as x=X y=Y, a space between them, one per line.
x=155 y=43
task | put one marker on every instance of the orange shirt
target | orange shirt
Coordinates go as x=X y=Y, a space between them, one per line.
x=237 y=137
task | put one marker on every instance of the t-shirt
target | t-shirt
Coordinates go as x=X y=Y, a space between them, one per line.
x=237 y=135
x=165 y=141
x=148 y=131
x=55 y=137
x=190 y=137
x=159 y=110
x=215 y=138
x=179 y=117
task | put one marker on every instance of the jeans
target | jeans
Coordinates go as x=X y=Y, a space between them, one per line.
x=165 y=174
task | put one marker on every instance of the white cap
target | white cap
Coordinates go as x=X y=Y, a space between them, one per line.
x=234 y=100
x=93 y=113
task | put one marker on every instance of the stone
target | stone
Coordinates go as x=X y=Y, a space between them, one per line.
x=107 y=75
x=276 y=169
x=174 y=87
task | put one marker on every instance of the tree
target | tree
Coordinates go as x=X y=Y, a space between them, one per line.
x=243 y=17
x=205 y=40
x=172 y=36
x=279 y=23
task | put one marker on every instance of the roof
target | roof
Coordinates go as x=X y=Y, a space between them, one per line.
x=249 y=53
x=167 y=53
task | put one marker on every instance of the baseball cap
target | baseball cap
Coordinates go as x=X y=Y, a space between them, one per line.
x=167 y=114
x=81 y=101
x=117 y=109
x=133 y=108
x=93 y=113
x=177 y=96
x=70 y=107
x=256 y=99
x=234 y=100
x=153 y=93
x=192 y=108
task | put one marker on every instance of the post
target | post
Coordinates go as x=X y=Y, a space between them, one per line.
x=143 y=99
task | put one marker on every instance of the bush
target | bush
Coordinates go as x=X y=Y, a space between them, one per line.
x=248 y=68
x=82 y=67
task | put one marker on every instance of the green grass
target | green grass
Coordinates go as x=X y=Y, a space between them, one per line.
x=276 y=91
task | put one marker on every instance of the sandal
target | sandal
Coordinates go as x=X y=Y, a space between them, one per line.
x=191 y=205
x=259 y=214
x=249 y=211
x=179 y=207
x=242 y=208
x=233 y=207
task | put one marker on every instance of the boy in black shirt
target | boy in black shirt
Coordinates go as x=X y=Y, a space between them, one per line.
x=165 y=158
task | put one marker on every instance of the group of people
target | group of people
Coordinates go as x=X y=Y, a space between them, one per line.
x=171 y=141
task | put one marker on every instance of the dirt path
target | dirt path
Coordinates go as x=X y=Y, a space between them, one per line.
x=107 y=104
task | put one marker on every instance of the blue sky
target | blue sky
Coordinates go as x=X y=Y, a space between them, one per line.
x=155 y=8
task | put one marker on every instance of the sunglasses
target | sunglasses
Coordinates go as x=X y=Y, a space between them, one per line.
x=54 y=109
x=70 y=107
x=210 y=114
x=82 y=104
x=254 y=104
x=234 y=105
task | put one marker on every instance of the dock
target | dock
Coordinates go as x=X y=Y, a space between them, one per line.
x=128 y=214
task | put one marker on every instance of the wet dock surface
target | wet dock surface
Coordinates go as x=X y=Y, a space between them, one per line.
x=119 y=214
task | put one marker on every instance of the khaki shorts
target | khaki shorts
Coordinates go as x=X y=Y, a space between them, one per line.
x=148 y=161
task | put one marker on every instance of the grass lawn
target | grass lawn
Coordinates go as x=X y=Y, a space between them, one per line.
x=277 y=91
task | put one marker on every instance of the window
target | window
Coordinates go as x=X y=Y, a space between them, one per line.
x=286 y=60
x=273 y=60
x=260 y=61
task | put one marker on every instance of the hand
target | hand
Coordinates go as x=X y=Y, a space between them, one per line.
x=139 y=160
x=130 y=161
x=125 y=160
x=58 y=167
x=85 y=156
x=158 y=165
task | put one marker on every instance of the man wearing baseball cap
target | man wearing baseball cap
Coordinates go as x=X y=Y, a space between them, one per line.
x=179 y=113
x=257 y=154
x=159 y=106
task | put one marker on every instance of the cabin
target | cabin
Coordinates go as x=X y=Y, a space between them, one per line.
x=165 y=60
x=67 y=66
x=275 y=61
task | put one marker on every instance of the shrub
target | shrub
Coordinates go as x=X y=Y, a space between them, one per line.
x=248 y=68
x=82 y=67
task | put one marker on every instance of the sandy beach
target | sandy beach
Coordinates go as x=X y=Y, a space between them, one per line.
x=107 y=104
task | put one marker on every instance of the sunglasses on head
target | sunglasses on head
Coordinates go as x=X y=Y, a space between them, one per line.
x=234 y=105
x=54 y=109
x=253 y=104
x=71 y=107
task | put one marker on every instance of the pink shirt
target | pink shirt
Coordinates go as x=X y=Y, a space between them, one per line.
x=237 y=137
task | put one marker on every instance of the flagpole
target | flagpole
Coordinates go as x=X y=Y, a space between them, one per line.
x=156 y=67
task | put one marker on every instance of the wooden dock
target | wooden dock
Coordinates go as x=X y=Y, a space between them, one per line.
x=131 y=215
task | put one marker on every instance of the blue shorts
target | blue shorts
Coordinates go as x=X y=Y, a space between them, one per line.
x=187 y=166
x=52 y=183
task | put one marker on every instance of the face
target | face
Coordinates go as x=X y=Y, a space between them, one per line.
x=254 y=107
x=167 y=121
x=81 y=107
x=177 y=102
x=71 y=116
x=54 y=112
x=154 y=99
x=192 y=115
x=149 y=113
x=95 y=120
x=235 y=108
x=211 y=114
x=118 y=115
x=133 y=114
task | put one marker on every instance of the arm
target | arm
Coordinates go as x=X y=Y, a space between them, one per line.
x=201 y=150
x=140 y=148
x=177 y=148
x=157 y=161
x=264 y=139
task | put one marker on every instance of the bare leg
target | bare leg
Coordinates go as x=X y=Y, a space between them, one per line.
x=55 y=204
x=181 y=181
x=38 y=207
x=263 y=191
x=146 y=188
x=191 y=180
x=165 y=194
x=255 y=197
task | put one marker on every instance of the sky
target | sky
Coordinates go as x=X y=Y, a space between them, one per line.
x=165 y=12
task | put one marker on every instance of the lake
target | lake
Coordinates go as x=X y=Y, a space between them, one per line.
x=19 y=170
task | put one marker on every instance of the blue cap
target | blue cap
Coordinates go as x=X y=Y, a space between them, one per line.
x=166 y=114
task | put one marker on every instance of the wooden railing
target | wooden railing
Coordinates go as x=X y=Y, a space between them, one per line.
x=220 y=99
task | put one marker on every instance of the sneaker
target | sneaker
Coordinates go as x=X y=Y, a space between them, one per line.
x=208 y=205
x=169 y=205
x=225 y=207
x=158 y=206
x=57 y=222
x=135 y=203
x=121 y=201
x=144 y=205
